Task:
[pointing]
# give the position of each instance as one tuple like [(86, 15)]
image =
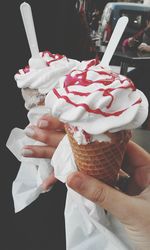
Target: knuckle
[(42, 153), (99, 195), (45, 153), (45, 138), (48, 153)]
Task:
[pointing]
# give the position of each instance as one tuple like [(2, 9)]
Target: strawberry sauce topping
[(54, 58), (26, 69), (80, 79)]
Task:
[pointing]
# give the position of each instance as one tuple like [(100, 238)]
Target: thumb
[(117, 203)]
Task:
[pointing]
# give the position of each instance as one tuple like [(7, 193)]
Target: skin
[(143, 47), (131, 41), (49, 131), (131, 207)]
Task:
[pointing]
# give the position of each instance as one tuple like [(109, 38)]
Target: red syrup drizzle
[(87, 136), (56, 57), (86, 107), (73, 130), (81, 80), (26, 69)]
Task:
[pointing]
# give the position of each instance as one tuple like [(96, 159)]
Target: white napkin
[(87, 225), (27, 185)]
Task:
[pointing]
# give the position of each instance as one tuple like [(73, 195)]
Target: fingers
[(135, 157), (38, 151), (49, 131), (131, 41), (50, 123), (141, 48), (119, 204), (51, 138), (146, 194), (144, 47), (142, 177), (137, 165)]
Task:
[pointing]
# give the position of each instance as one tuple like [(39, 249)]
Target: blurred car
[(136, 13)]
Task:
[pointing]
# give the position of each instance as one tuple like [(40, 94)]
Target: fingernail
[(26, 152), (43, 124), (29, 131), (74, 180)]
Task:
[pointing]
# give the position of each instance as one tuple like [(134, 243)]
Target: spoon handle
[(27, 17), (114, 40)]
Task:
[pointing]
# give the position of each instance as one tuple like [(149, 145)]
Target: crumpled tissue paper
[(88, 226), (27, 185)]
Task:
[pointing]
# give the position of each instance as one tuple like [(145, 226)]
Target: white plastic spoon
[(36, 61), (114, 40)]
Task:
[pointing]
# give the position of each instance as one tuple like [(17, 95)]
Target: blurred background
[(40, 225)]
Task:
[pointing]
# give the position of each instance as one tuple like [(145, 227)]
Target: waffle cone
[(101, 160)]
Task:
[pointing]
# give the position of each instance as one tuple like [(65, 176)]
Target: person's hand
[(132, 211), (49, 131), (143, 47), (131, 42)]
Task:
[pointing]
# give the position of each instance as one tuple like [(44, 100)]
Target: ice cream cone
[(101, 160), (99, 108)]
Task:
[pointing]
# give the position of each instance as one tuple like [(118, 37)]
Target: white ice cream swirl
[(44, 78), (97, 100)]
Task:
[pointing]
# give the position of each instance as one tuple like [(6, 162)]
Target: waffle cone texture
[(102, 160)]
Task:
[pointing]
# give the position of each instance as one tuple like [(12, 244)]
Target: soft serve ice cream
[(97, 100), (44, 78), (37, 79), (99, 108)]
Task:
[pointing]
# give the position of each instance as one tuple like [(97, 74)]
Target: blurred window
[(136, 19)]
